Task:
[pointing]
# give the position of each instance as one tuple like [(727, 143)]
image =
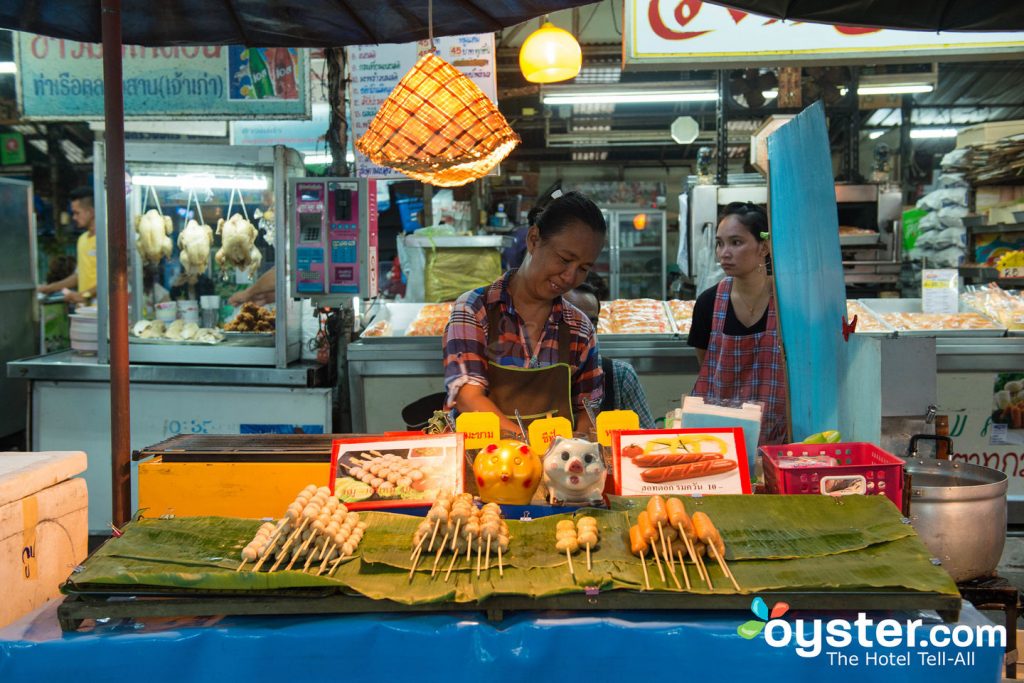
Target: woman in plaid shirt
[(516, 345), (734, 329)]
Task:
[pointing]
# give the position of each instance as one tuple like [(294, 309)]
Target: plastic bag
[(709, 271), (954, 196), (451, 272)]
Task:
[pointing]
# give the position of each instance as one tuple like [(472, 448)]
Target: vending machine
[(334, 239)]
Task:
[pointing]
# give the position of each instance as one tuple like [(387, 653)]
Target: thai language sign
[(376, 69), (63, 79), (691, 31)]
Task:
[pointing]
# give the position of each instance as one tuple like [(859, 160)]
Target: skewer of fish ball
[(316, 530), (256, 547), (491, 525), (333, 526), (461, 512), (350, 546), (587, 535), (566, 540), (309, 513), (470, 532), (679, 518), (651, 534), (638, 546), (502, 543), (438, 513), (288, 522), (419, 537), (440, 549)]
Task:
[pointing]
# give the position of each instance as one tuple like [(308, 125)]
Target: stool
[(996, 593)]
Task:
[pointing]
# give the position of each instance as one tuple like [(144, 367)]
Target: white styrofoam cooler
[(44, 515)]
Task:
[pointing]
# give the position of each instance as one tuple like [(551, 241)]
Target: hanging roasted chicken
[(237, 245), (195, 242), (153, 236)]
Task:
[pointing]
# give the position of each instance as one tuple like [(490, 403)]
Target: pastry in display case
[(633, 316)]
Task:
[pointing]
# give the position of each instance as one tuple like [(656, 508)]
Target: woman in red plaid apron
[(735, 330)]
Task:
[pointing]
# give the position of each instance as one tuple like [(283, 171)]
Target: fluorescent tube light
[(875, 134), (8, 68), (640, 97), (926, 133), (908, 89), (325, 157), (198, 181)]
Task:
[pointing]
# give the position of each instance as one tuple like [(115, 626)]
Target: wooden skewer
[(568, 556), (682, 568), (487, 555), (725, 567), (317, 552), (437, 557), (501, 569), (437, 524), (469, 553), (327, 558), (302, 549), (692, 553), (334, 567), (418, 546), (455, 556), (675, 579), (291, 539), (415, 562), (664, 548), (271, 542), (479, 555), (657, 560), (244, 562), (455, 538), (643, 563), (590, 567)]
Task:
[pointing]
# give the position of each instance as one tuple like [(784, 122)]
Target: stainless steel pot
[(959, 511)]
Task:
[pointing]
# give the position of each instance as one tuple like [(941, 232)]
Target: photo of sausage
[(648, 460), (692, 470)]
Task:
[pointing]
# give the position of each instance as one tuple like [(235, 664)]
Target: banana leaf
[(777, 527), (202, 553)]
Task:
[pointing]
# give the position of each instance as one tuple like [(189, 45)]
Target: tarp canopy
[(272, 23), (922, 15)]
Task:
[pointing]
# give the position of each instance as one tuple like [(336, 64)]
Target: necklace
[(751, 306)]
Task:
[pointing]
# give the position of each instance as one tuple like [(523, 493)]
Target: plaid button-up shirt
[(466, 352)]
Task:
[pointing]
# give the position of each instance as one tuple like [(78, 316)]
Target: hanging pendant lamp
[(549, 55), (437, 126)]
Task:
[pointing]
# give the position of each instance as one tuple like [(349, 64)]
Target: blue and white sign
[(63, 80)]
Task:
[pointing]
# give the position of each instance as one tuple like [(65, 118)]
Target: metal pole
[(722, 133), (117, 258)]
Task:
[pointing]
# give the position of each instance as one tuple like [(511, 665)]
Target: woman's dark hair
[(752, 216), (571, 207)]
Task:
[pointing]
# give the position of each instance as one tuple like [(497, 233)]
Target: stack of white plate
[(83, 330)]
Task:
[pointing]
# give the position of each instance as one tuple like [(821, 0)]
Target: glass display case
[(203, 225), (633, 261)]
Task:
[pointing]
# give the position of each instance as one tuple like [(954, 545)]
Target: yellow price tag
[(543, 431), (480, 429), (615, 420)]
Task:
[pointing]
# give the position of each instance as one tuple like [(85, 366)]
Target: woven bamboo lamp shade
[(437, 126)]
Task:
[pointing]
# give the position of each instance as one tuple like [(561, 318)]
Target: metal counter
[(69, 395), (73, 367)]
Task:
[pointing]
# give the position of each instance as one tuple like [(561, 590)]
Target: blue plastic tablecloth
[(457, 648)]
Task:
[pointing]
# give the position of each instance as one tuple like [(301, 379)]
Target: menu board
[(375, 70)]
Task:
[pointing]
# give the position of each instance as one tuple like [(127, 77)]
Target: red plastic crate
[(863, 468)]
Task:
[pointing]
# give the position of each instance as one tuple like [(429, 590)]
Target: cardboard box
[(44, 520), (986, 133), (993, 196)]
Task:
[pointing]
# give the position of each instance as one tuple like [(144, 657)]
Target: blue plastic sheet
[(808, 269), (453, 648)]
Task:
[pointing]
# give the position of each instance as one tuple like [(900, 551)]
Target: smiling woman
[(516, 345)]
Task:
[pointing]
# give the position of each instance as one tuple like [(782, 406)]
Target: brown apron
[(535, 392)]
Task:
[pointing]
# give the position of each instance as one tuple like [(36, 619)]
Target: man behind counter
[(83, 213)]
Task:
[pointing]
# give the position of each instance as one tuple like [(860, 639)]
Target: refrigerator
[(633, 262)]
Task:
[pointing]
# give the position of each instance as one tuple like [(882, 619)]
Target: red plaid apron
[(748, 368)]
